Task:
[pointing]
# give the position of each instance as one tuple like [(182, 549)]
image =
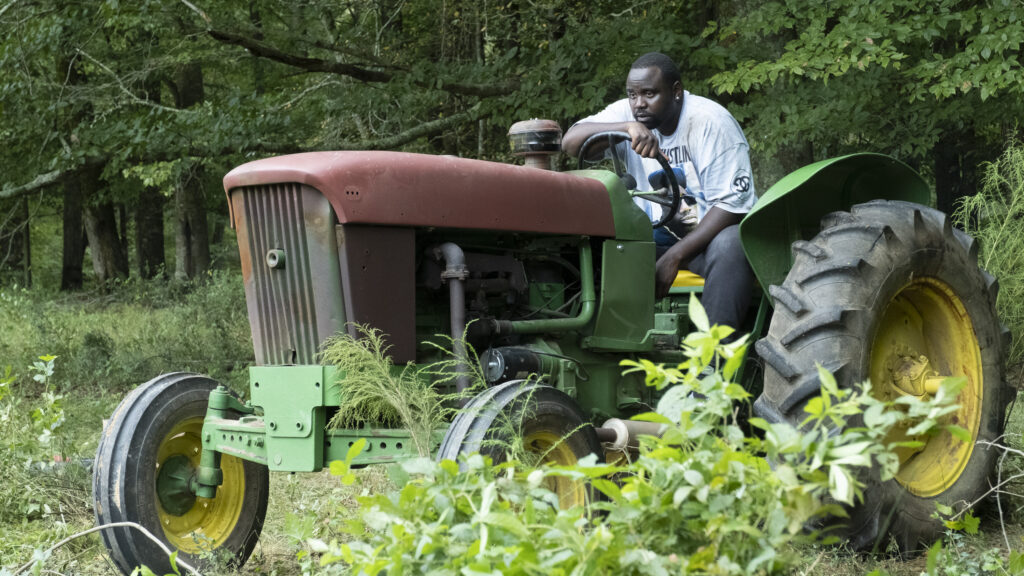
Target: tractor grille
[(288, 312)]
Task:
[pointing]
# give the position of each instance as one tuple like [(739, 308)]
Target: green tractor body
[(792, 209), (546, 274), (617, 317)]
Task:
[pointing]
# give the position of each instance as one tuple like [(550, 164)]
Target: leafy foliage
[(35, 455), (887, 76), (699, 498)]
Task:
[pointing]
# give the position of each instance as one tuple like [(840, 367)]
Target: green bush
[(40, 480), (700, 498), (995, 217)]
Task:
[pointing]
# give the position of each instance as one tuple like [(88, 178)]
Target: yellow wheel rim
[(924, 337), (209, 522), (555, 450)]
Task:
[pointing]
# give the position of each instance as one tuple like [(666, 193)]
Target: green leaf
[(698, 317), (840, 485), (174, 562), (971, 523), (507, 521), (675, 402), (934, 556), (1016, 565), (962, 434), (338, 468), (355, 450), (608, 488), (651, 417)]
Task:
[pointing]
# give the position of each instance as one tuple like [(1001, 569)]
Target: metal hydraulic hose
[(454, 273), (587, 299)]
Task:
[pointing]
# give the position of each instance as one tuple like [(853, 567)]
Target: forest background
[(119, 119)]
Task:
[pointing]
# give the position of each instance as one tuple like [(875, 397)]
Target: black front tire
[(889, 281), (529, 420), (157, 425)]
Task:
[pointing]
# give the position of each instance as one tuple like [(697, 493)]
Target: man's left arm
[(695, 241)]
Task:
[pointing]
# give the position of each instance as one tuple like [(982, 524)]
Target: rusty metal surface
[(402, 189), (297, 302), (378, 271)]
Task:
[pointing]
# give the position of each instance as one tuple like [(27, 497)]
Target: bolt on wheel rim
[(925, 336), (206, 523)]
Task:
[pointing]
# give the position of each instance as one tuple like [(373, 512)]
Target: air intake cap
[(536, 140)]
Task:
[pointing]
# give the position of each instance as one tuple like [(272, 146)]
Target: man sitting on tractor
[(700, 137)]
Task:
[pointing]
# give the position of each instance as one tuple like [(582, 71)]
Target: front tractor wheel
[(147, 456), (531, 421), (892, 293)]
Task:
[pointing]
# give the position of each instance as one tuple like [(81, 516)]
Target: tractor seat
[(687, 279)]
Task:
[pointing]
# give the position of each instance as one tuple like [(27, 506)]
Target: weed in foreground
[(378, 393), (700, 498)]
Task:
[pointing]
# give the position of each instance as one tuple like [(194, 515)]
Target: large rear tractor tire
[(537, 420), (891, 292), (148, 451)]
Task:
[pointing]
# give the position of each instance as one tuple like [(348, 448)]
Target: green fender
[(792, 209)]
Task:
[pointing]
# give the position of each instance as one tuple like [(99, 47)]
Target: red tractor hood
[(402, 189)]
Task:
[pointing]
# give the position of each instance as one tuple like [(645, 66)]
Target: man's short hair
[(669, 70)]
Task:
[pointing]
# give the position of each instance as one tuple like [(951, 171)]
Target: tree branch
[(131, 95), (427, 129), (265, 50), (47, 179), (9, 4)]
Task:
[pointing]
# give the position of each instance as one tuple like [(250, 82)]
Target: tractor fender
[(792, 209)]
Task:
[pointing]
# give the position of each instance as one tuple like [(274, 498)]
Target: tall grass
[(135, 331), (376, 392), (995, 217)]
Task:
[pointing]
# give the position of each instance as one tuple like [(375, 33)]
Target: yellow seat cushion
[(687, 279)]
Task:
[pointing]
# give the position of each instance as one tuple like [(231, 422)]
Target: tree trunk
[(74, 234), (192, 244), (122, 227), (26, 258), (14, 242), (149, 209), (257, 63), (955, 169), (108, 259), (795, 155), (76, 186), (217, 224), (149, 232)]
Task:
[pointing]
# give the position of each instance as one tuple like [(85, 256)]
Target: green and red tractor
[(553, 273)]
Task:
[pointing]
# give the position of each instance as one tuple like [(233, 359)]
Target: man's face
[(650, 98)]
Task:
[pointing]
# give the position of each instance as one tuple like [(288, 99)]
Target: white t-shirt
[(710, 147)]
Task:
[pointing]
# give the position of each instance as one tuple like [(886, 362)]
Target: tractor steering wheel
[(670, 205)]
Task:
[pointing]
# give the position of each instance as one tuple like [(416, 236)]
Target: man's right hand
[(645, 143)]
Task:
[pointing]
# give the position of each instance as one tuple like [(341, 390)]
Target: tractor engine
[(413, 246)]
